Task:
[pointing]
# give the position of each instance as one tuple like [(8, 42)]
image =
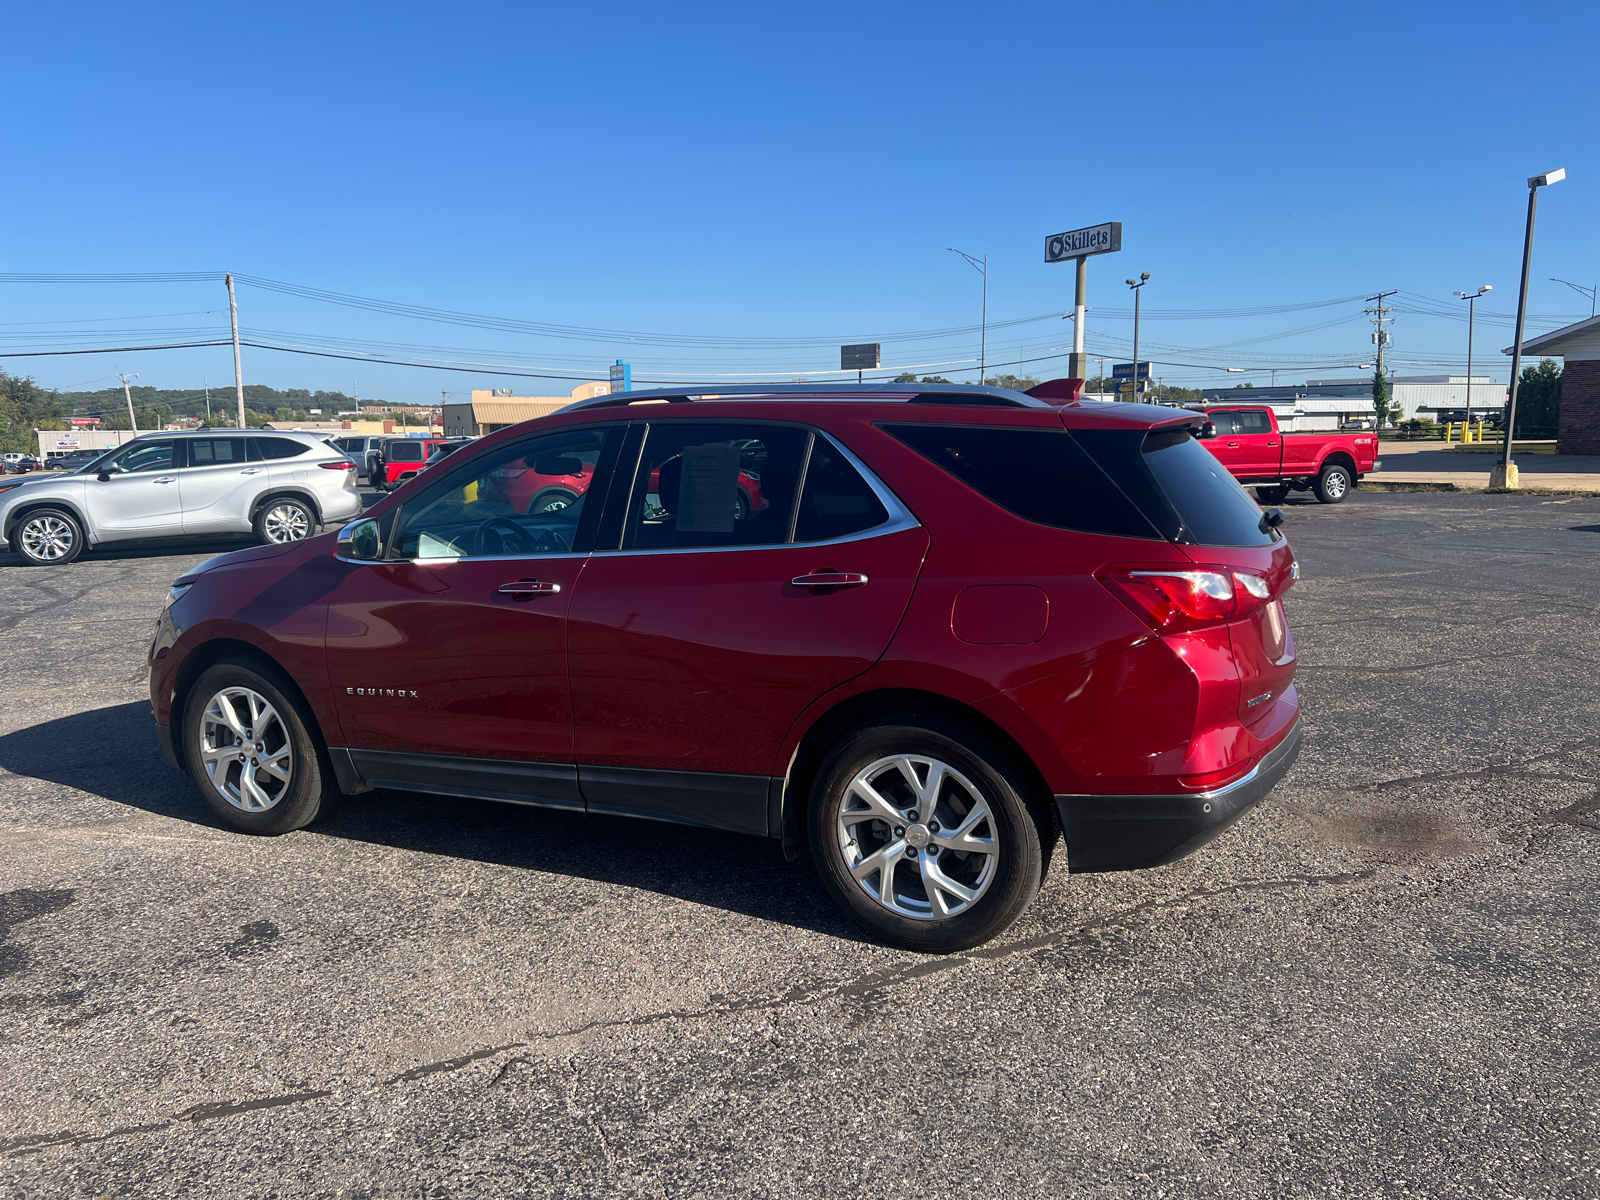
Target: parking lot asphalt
[(1383, 982)]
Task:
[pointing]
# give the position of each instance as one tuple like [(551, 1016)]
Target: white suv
[(280, 486)]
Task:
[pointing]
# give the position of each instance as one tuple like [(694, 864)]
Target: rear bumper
[(1125, 833)]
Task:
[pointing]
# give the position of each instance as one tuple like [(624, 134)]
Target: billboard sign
[(864, 356), (1077, 243), (1125, 370)]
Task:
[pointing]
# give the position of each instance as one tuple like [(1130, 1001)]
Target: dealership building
[(491, 410), (1578, 346)]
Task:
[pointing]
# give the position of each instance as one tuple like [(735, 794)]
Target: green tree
[(1539, 400), (1019, 382), (1380, 397), (24, 407)]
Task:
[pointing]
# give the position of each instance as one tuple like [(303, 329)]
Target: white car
[(279, 486)]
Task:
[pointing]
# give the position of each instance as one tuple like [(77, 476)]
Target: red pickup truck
[(1258, 454)]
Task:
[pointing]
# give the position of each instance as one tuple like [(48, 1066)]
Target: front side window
[(715, 484), (146, 456), (1226, 422), (213, 452), (524, 499)]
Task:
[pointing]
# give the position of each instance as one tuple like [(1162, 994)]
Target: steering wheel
[(520, 541)]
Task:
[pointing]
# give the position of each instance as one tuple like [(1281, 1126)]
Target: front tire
[(48, 537), (1333, 484), (921, 833), (285, 520), (251, 752)]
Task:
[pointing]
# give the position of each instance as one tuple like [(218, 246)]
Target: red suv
[(961, 622)]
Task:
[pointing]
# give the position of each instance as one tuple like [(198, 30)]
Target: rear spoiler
[(1058, 391)]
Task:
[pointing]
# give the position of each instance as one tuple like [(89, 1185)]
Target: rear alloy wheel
[(48, 537), (924, 840), (285, 520), (251, 753), (1333, 485)]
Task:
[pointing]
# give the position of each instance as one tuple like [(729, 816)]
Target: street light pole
[(1136, 285), (981, 266), (1505, 475), (1472, 307), (1590, 292)]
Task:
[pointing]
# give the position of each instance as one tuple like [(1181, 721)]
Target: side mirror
[(558, 464), (1207, 431), (1271, 519), (360, 540)]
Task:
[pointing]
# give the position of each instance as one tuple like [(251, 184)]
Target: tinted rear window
[(403, 451), (1041, 475), (1180, 485)]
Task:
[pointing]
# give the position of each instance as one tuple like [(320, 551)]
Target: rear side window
[(715, 485), (209, 452), (1179, 484), (1041, 475), (1251, 421), (271, 447), (836, 500)]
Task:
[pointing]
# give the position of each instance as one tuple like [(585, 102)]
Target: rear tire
[(888, 847), (242, 778), (1333, 484), (1272, 495), (285, 520), (48, 537)]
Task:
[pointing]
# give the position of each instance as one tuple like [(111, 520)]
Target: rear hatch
[(1242, 563)]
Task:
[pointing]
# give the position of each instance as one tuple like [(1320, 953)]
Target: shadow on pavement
[(112, 752)]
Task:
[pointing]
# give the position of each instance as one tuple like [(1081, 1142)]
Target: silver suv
[(280, 486)]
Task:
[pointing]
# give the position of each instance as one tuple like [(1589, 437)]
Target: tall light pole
[(1505, 474), (1144, 278), (128, 396), (1472, 307), (238, 369), (1590, 292), (981, 266)]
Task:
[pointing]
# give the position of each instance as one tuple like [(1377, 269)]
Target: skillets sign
[(1077, 243)]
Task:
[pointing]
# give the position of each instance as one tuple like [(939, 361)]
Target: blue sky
[(774, 172)]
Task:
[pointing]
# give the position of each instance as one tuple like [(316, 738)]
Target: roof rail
[(944, 393)]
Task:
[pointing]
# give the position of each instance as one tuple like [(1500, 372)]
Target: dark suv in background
[(960, 623)]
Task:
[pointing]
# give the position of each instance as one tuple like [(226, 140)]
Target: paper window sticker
[(707, 494)]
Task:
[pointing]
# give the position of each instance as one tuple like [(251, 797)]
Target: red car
[(1248, 441), (962, 622), (402, 458)]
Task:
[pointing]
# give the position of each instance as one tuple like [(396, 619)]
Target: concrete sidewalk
[(1429, 462)]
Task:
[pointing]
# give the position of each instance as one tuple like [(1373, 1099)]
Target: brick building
[(1578, 346)]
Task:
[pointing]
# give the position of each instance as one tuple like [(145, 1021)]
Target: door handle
[(526, 589), (829, 579), (167, 479), (251, 471), (1233, 445), (1272, 443)]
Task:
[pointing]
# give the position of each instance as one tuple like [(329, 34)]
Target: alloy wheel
[(245, 749), (47, 538), (1336, 484), (286, 523), (918, 837)]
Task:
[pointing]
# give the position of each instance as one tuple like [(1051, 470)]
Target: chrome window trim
[(900, 517)]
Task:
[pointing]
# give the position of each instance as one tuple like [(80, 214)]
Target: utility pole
[(128, 396), (1472, 308), (982, 267), (1380, 339), (208, 399), (238, 366), (1137, 286)]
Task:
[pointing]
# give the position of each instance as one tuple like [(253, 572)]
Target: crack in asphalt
[(58, 599), (866, 985)]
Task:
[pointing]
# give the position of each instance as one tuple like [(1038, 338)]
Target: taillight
[(1170, 600), (337, 466), (1252, 592)]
